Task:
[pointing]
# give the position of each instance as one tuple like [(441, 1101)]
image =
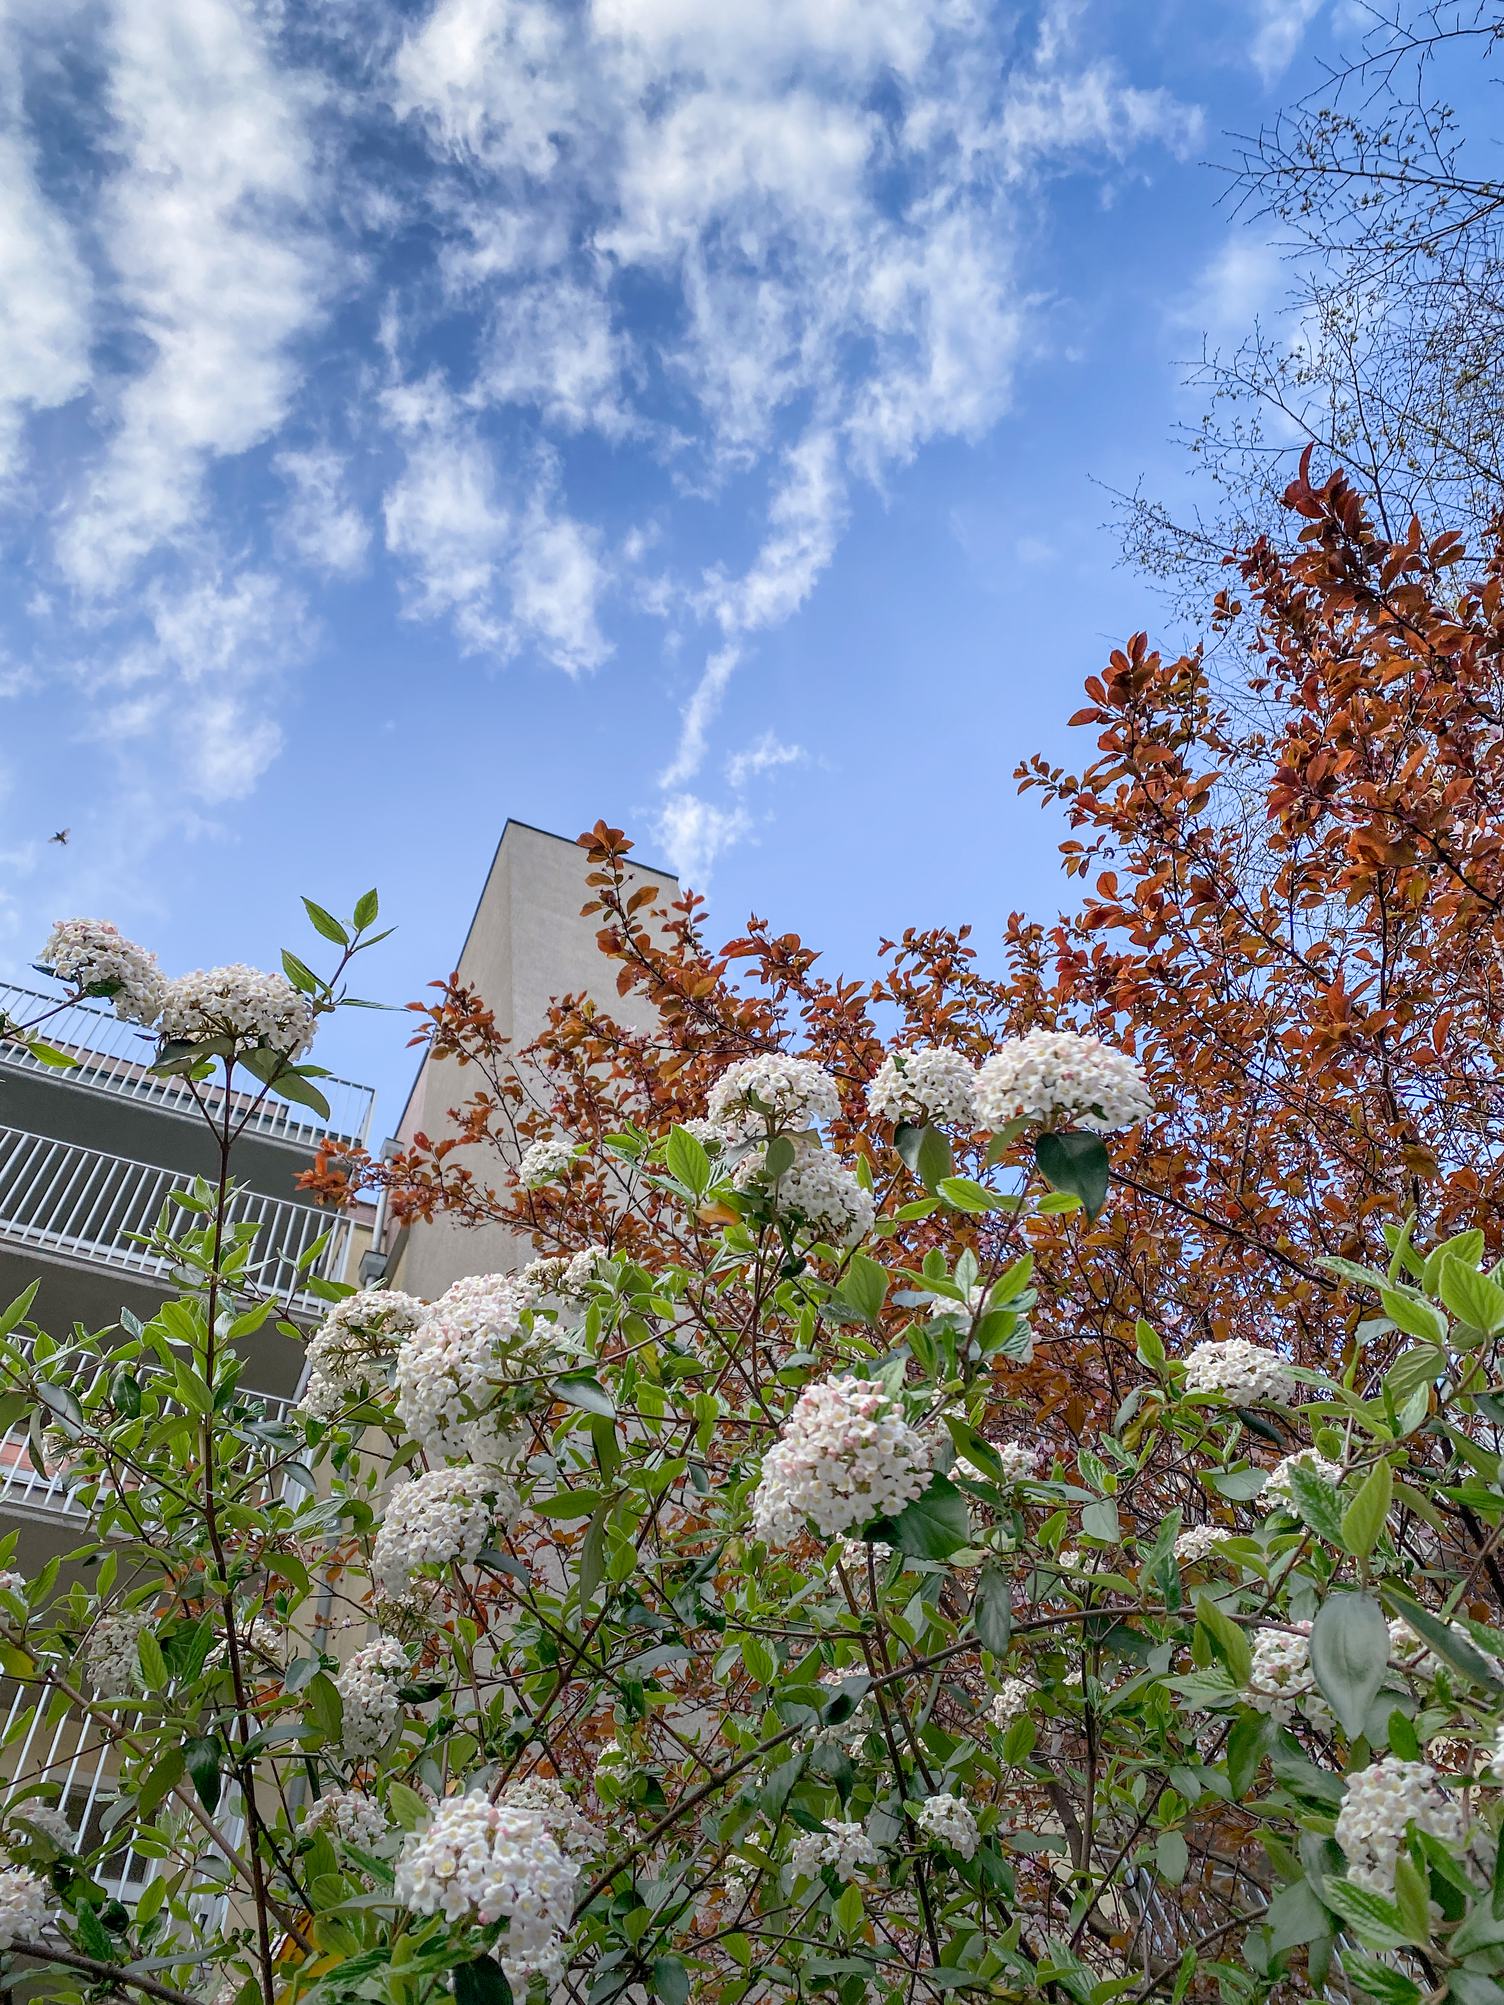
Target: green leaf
[(581, 1389), (778, 1158), (1446, 1641), (17, 1310), (1366, 1515), (325, 1708), (670, 1980), (93, 1937), (367, 908), (1415, 1317), (925, 1151), (1172, 1856), (289, 1082), (934, 1525), (1349, 1656), (1228, 1643), (1378, 1922), (1317, 1503), (153, 1664), (687, 1161), (592, 1567), (1100, 1521), (1295, 1917), (1389, 1986), (992, 1611), (1471, 1296), (1075, 1161), (48, 1054), (482, 1982), (326, 923), (201, 1755), (865, 1287), (408, 1809), (966, 1194)]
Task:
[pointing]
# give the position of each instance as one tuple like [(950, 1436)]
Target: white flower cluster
[(92, 954), (791, 1096), (23, 1905), (1053, 1075), (349, 1348), (960, 1315), (367, 1687), (1019, 1459), (544, 1161), (1279, 1492), (705, 1132), (43, 1818), (851, 1731), (547, 1798), (262, 1640), (949, 1820), (440, 1518), (243, 1004), (1242, 1371), (572, 1278), (853, 1553), (843, 1845), (1280, 1679), (1381, 1802), (1411, 1655), (487, 1862), (818, 1189), (111, 1655), (12, 1582), (1009, 1702), (348, 1814), (1198, 1542), (924, 1086), (846, 1455), (465, 1350)]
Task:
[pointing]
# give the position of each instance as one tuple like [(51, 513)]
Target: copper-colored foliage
[(1291, 859)]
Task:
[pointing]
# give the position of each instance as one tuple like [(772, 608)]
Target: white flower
[(1279, 1491), (12, 1582), (544, 1161), (948, 1819), (842, 1845), (855, 1727), (704, 1130), (242, 1004), (95, 958), (1244, 1372), (1198, 1542), (263, 1639), (1495, 1763), (575, 1835), (794, 1094), (483, 1862), (1418, 1660), (1009, 1702), (1381, 1802), (24, 1905), (846, 1455), (44, 1819), (924, 1086), (1051, 1075), (368, 1689), (818, 1189), (573, 1278), (349, 1814), (440, 1518), (1280, 1679), (347, 1352), (112, 1657), (1020, 1460), (852, 1554), (467, 1348)]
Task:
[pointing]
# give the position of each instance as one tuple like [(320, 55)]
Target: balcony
[(115, 1057), (84, 1205)]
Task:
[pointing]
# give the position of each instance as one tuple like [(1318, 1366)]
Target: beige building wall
[(527, 944)]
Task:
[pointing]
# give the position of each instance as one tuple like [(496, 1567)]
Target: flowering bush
[(735, 1626)]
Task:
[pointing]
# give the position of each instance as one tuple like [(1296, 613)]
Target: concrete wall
[(527, 944)]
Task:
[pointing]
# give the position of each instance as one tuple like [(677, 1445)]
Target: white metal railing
[(23, 1487), (55, 1743), (115, 1057), (64, 1198)]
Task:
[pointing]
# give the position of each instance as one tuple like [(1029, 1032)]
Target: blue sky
[(416, 414)]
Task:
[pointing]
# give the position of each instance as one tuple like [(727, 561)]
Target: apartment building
[(527, 943), (88, 1159)]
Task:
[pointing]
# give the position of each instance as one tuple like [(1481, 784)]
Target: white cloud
[(694, 832), (766, 754), (505, 571), (1279, 27), (698, 715), (552, 346), (44, 329), (1234, 289), (205, 219), (321, 523)]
